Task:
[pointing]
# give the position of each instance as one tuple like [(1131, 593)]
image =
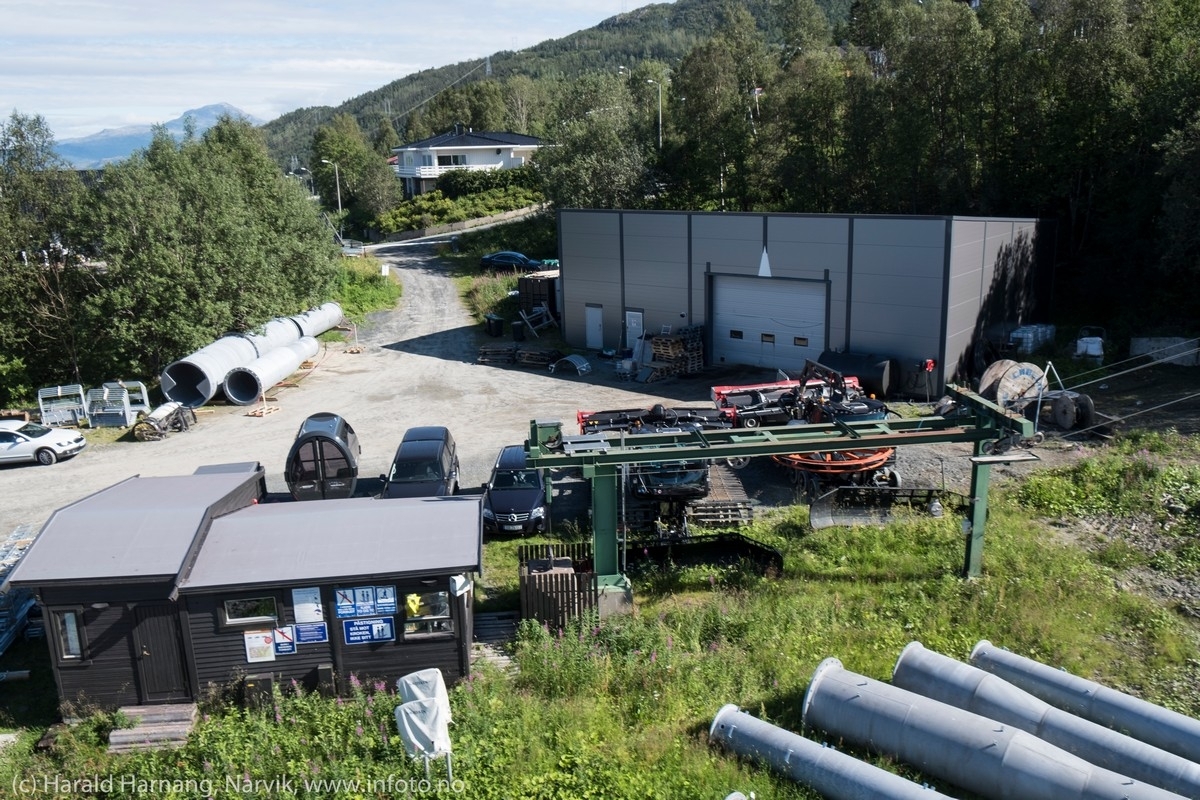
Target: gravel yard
[(417, 366)]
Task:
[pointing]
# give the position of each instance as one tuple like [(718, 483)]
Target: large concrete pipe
[(948, 681), (981, 755), (1165, 729), (316, 321), (192, 381), (245, 385), (835, 775)]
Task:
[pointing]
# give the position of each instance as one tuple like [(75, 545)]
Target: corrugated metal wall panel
[(748, 312)]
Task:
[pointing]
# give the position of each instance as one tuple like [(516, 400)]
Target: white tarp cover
[(425, 684), (423, 727)]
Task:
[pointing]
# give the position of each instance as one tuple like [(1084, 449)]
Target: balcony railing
[(405, 171)]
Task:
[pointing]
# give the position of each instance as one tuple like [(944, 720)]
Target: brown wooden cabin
[(157, 589)]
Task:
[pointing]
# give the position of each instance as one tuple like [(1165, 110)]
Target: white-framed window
[(249, 611), (68, 630), (427, 613)]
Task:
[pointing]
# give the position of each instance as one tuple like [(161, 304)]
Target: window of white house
[(250, 610), (458, 160), (426, 159), (427, 612), (68, 626)]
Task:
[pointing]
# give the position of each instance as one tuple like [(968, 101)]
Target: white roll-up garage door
[(767, 322)]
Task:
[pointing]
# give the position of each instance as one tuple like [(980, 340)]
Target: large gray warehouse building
[(775, 290)]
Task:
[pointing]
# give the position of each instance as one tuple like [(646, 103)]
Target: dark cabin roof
[(140, 528), (290, 543), (464, 138)]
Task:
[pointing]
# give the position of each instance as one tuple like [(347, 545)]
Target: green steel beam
[(979, 421)]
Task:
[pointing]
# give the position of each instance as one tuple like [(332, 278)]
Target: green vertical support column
[(604, 517), (980, 478)]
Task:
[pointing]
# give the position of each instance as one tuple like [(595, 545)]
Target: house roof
[(460, 139), (282, 543), (140, 528)]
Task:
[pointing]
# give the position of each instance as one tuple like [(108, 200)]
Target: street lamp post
[(337, 179), (659, 85)]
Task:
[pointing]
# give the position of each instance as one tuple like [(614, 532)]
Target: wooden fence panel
[(554, 598)]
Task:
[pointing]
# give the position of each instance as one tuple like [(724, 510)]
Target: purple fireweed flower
[(358, 730)]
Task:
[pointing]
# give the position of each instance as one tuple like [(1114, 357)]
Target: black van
[(426, 464), (323, 461), (515, 496)]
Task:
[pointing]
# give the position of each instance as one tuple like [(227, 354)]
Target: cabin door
[(158, 651)]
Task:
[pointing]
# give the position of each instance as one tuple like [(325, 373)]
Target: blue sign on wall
[(368, 631), (311, 632)]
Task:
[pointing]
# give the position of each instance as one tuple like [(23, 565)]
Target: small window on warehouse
[(735, 334), (800, 341)]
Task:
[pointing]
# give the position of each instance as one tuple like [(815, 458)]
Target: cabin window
[(250, 610), (427, 613), (69, 628)]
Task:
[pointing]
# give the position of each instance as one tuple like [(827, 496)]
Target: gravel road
[(417, 366)]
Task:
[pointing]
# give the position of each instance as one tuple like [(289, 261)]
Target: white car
[(29, 441)]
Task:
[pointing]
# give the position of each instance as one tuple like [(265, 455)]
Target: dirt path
[(417, 367)]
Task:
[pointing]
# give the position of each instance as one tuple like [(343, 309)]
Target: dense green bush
[(459, 183), (435, 208)]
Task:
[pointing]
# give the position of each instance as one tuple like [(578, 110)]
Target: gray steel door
[(767, 322), (158, 651)]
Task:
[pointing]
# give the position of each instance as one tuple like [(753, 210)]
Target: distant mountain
[(116, 144)]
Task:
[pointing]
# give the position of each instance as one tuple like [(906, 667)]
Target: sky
[(90, 65)]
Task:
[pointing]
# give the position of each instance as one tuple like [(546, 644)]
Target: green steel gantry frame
[(992, 429)]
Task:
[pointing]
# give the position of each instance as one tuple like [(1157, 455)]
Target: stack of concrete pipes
[(245, 365), (1001, 727)]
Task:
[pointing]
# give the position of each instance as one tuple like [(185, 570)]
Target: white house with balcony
[(420, 164)]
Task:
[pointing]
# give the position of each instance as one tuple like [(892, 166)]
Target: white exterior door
[(633, 329), (767, 322), (593, 326)]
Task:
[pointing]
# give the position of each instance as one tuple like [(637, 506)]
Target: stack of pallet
[(676, 354), (497, 354), (537, 357)]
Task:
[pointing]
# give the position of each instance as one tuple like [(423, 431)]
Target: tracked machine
[(819, 395)]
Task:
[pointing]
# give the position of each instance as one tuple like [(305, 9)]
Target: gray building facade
[(776, 290)]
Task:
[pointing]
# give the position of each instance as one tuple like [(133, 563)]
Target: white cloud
[(85, 66)]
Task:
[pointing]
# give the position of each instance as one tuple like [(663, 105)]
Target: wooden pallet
[(537, 358), (497, 354), (262, 411)]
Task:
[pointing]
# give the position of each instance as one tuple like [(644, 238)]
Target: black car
[(426, 464), (514, 498), (509, 259)]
